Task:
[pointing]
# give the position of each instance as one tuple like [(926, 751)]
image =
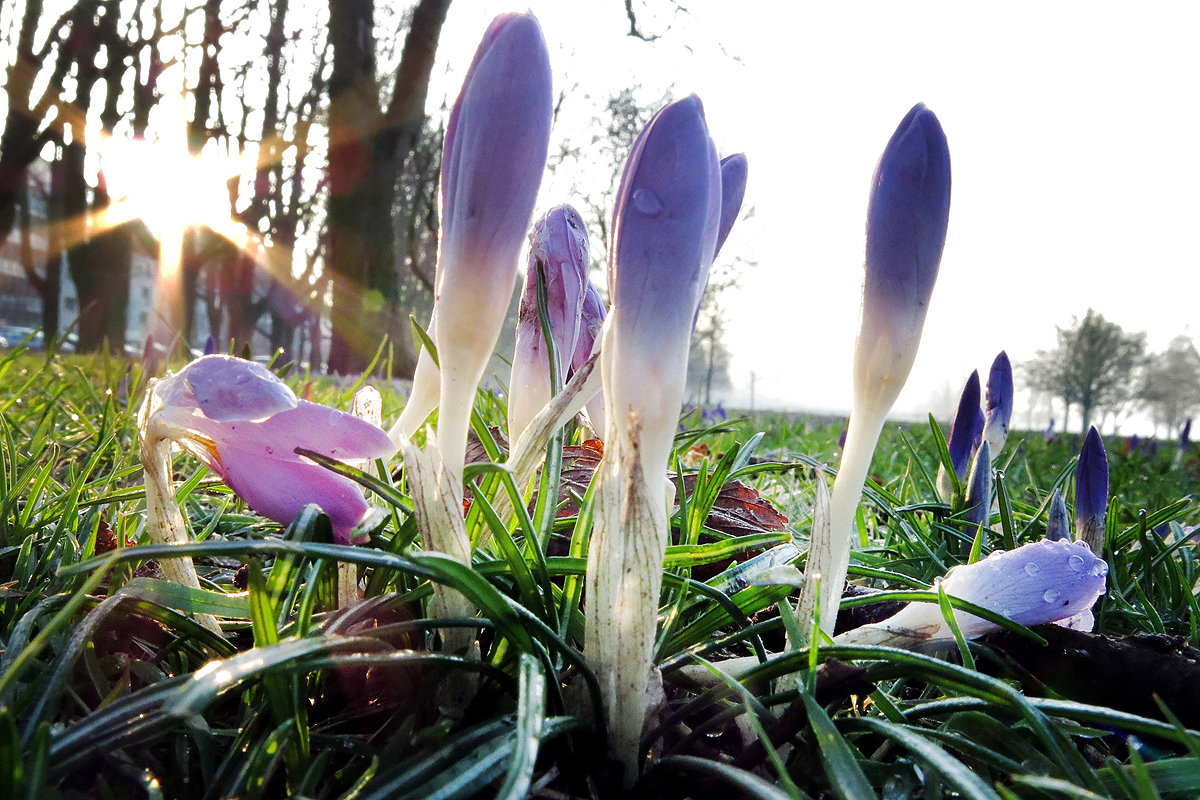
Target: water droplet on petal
[(1075, 563), (1032, 569), (335, 417), (1051, 595), (646, 202), (1100, 568), (996, 554)]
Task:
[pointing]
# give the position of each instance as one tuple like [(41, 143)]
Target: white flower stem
[(829, 554), (164, 520)]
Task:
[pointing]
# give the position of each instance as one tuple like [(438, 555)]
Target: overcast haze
[(1072, 130)]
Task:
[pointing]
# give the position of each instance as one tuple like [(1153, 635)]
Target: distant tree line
[(1100, 369)]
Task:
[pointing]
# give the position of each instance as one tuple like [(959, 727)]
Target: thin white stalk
[(829, 555)]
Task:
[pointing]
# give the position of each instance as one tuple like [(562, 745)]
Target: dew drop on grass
[(1051, 595), (646, 202)]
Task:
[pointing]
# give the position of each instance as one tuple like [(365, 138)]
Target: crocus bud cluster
[(907, 217)]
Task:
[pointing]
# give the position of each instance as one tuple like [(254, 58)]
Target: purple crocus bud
[(665, 223), (967, 426), (494, 154), (1091, 492), (210, 346), (559, 250), (150, 360), (245, 424), (906, 229), (979, 490), (999, 402), (1185, 435), (1058, 524), (595, 310), (733, 191), (1035, 584)]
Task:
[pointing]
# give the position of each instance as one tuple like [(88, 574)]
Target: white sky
[(1073, 131)]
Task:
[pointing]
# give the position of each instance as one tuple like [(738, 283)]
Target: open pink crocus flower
[(245, 424)]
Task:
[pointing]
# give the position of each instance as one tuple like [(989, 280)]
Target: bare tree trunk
[(367, 147)]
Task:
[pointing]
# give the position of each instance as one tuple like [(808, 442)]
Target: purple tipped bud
[(492, 162), (1058, 524), (665, 223), (733, 191), (559, 250), (1091, 492), (1185, 435), (906, 229), (979, 489), (210, 346), (966, 427), (999, 402)]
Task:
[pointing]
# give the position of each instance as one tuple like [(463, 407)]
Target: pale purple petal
[(228, 388), (279, 489), (591, 321), (311, 426), (1035, 584), (733, 190)]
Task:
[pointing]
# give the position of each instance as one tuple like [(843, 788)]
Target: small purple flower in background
[(1133, 445), (1058, 523), (1048, 434), (244, 423), (150, 358), (1091, 492), (1185, 435), (1035, 584), (210, 346), (962, 442), (907, 216), (559, 248), (666, 219), (595, 310), (999, 402)]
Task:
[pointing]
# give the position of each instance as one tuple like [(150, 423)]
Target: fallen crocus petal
[(249, 438), (1091, 492), (1035, 584), (907, 217), (999, 403), (559, 251)]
